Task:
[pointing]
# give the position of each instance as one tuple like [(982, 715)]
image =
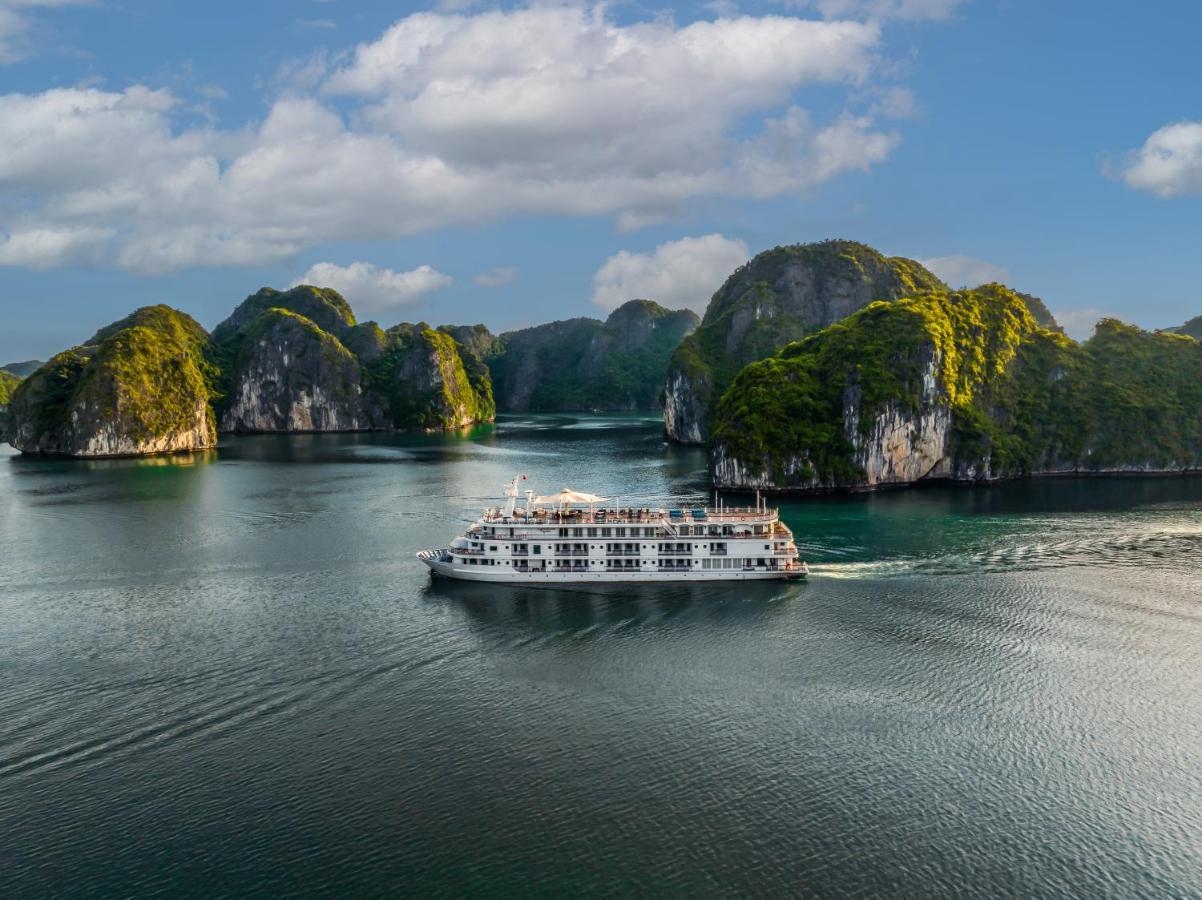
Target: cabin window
[(538, 548)]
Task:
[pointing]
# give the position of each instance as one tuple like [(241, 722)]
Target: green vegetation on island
[(781, 295), (963, 385), (140, 385), (419, 380), (581, 364), (297, 360), (8, 384), (817, 366)]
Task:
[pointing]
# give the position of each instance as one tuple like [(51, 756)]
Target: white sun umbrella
[(567, 496)]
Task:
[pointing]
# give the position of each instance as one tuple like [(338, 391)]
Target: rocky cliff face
[(293, 376), (778, 297), (284, 367), (138, 387), (580, 364), (298, 361), (965, 387)]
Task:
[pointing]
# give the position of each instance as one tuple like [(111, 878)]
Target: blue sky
[(515, 164)]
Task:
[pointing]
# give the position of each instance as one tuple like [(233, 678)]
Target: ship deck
[(634, 516)]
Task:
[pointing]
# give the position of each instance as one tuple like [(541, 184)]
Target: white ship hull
[(439, 564)]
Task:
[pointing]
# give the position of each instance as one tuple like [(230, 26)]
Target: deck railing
[(711, 515)]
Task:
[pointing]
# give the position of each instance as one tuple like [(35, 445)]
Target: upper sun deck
[(701, 515)]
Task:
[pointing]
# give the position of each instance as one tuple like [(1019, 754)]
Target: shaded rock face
[(284, 366), (293, 376), (780, 296), (964, 387), (420, 381), (138, 387), (581, 364)]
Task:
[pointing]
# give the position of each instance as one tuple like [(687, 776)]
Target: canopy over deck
[(567, 496)]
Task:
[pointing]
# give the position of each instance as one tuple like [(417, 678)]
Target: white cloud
[(896, 103), (498, 277), (44, 248), (18, 23), (367, 286), (1169, 164), (683, 273), (449, 119), (1079, 323), (965, 271), (883, 9)]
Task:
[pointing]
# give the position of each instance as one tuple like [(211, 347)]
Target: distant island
[(817, 367), (298, 361)]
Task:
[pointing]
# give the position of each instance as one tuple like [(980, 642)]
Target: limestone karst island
[(816, 367)]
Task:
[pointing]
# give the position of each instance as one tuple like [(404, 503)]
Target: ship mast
[(511, 496)]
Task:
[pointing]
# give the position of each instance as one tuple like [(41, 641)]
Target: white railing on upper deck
[(631, 516)]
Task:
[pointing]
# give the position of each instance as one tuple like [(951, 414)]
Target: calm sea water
[(230, 675)]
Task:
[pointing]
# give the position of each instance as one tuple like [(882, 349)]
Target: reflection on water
[(579, 609), (236, 656)]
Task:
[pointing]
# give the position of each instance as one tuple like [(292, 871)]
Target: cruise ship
[(572, 537)]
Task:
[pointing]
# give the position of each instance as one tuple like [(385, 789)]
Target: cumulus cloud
[(447, 119), (683, 273), (1169, 164), (965, 271), (498, 277), (371, 287)]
